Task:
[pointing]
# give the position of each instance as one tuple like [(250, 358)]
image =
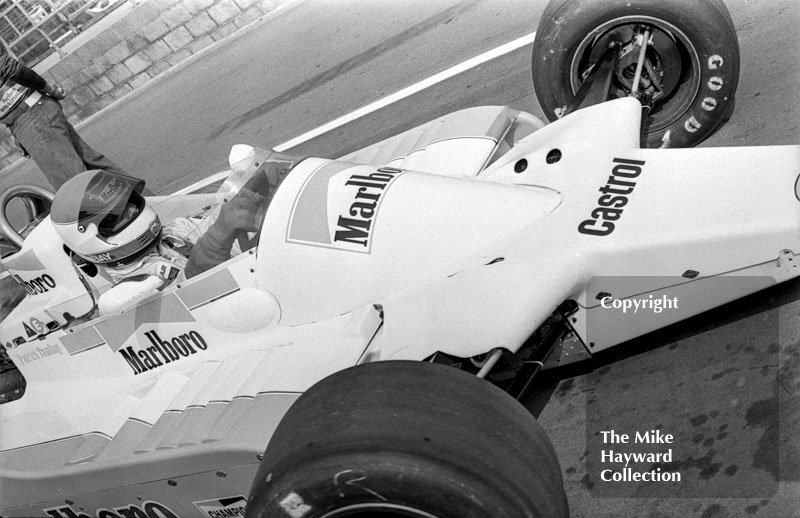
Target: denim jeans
[(54, 145)]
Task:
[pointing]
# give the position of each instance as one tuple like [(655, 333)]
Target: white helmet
[(102, 217)]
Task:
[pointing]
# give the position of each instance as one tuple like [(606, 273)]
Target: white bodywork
[(470, 252)]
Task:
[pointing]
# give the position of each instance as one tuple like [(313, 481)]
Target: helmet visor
[(111, 202), (121, 215)]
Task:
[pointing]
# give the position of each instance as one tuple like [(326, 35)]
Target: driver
[(103, 218)]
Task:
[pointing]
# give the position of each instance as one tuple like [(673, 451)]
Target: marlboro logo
[(338, 206), (162, 351), (36, 285), (147, 509)]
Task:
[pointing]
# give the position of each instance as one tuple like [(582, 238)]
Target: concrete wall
[(146, 41)]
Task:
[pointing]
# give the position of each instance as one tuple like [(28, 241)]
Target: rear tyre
[(694, 57), (410, 439)]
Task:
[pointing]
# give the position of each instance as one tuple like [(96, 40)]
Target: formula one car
[(369, 335)]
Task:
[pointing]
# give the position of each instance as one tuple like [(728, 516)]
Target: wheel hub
[(663, 75)]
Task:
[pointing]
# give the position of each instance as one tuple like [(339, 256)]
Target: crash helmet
[(103, 217)]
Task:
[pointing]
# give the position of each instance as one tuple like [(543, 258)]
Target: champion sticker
[(228, 507)]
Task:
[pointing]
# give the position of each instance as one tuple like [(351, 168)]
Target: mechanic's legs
[(91, 158), (54, 145)]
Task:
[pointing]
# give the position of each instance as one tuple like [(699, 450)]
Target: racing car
[(360, 354)]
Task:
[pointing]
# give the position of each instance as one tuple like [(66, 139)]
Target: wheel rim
[(377, 510), (666, 56)]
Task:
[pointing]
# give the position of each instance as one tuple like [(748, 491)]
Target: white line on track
[(410, 90), (386, 101)]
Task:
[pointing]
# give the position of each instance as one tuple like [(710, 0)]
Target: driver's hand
[(239, 213)]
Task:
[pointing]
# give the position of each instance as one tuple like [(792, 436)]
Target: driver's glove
[(239, 213), (214, 247)]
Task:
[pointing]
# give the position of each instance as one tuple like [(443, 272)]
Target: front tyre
[(407, 439), (691, 63)]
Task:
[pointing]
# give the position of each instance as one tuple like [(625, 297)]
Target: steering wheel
[(30, 195)]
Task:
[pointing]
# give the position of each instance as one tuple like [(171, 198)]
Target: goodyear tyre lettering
[(716, 83), (709, 103), (692, 124)]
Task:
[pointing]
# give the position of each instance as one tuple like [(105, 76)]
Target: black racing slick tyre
[(691, 66), (407, 439)]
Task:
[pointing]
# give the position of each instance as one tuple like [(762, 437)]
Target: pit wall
[(146, 41)]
